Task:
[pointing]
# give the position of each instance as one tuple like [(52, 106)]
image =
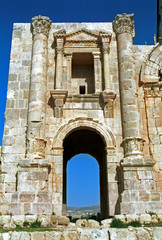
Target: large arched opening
[(87, 140)]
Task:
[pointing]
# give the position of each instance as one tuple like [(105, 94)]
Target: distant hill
[(91, 209)]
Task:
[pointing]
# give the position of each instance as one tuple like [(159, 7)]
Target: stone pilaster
[(106, 39), (31, 196), (97, 72), (69, 67), (59, 39), (40, 28)]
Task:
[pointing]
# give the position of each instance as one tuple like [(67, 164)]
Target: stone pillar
[(124, 28), (31, 196), (97, 72), (59, 38), (106, 38), (137, 184), (69, 68), (37, 100)]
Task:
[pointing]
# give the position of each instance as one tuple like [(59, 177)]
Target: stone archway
[(82, 136), (149, 73)]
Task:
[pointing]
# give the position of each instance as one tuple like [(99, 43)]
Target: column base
[(139, 194), (32, 195)]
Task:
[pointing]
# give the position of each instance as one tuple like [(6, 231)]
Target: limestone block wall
[(150, 108), (31, 147), (14, 138), (88, 233)]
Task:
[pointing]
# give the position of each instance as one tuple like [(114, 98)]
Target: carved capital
[(59, 45), (59, 99), (105, 36), (96, 55), (108, 100), (133, 146), (41, 24), (124, 23)]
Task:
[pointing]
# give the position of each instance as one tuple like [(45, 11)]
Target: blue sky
[(69, 11), (83, 181)]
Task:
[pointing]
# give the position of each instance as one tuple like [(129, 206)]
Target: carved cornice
[(60, 34), (124, 23), (153, 90), (92, 33), (40, 24)]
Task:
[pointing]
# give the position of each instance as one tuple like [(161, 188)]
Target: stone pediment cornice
[(82, 35), (60, 34)]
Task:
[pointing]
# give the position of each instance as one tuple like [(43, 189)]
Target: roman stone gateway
[(82, 88)]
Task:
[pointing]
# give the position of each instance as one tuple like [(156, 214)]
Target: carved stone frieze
[(124, 23), (133, 146), (41, 24), (153, 90)]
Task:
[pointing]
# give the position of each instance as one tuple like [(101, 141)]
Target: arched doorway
[(87, 140)]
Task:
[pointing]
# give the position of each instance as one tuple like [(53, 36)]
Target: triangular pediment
[(82, 35)]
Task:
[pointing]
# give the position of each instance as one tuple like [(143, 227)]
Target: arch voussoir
[(72, 125)]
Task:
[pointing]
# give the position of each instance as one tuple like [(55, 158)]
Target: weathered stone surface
[(20, 236), (4, 219), (45, 220), (143, 234), (93, 224), (70, 235), (81, 223), (60, 220), (18, 220), (9, 226), (53, 235), (122, 234), (37, 235), (130, 233), (6, 236), (145, 218), (30, 218), (157, 233), (106, 223), (99, 234)]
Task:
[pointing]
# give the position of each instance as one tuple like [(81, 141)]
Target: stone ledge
[(88, 233)]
